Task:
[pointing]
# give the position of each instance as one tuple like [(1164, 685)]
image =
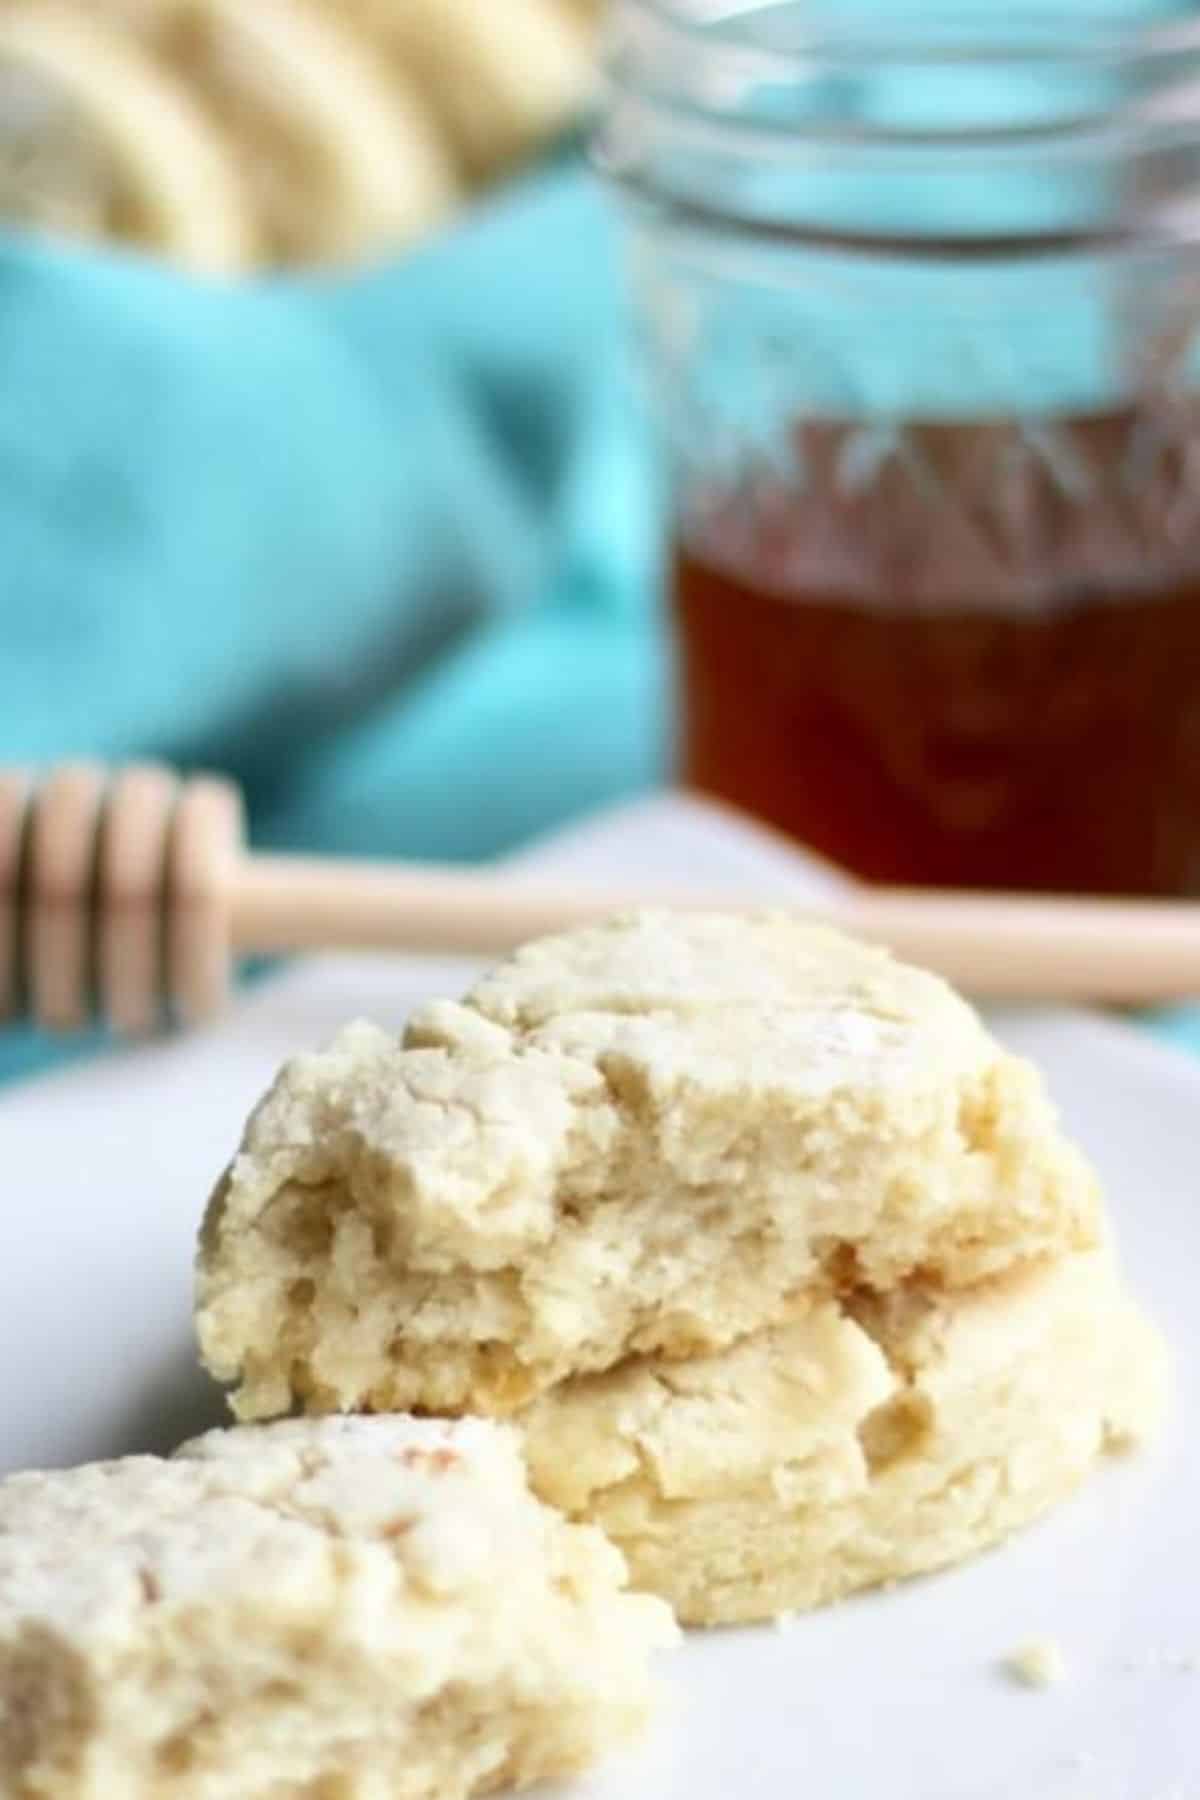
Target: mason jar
[(917, 291)]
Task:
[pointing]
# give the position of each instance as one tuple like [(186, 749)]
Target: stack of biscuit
[(778, 1263), (229, 135), (771, 1273)]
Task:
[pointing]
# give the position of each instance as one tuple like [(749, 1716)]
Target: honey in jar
[(952, 716), (920, 299)]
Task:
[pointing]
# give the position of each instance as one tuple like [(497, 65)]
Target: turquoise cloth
[(382, 547)]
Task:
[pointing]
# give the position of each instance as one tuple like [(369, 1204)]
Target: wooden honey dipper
[(132, 894)]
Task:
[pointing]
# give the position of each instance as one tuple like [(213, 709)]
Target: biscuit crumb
[(1038, 1664)]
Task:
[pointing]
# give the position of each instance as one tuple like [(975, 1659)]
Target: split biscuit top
[(342, 1605), (646, 1137)]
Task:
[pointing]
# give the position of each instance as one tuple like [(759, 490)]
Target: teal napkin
[(383, 547), (1179, 1026)]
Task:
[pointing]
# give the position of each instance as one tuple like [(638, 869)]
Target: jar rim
[(735, 109), (1093, 38)]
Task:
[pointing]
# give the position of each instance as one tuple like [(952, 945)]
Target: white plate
[(106, 1169)]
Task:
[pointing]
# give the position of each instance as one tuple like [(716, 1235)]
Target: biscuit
[(854, 1444), (340, 158), (359, 1607), (647, 1137), (502, 78), (102, 142)]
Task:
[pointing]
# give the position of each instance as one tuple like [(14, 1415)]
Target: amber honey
[(963, 674)]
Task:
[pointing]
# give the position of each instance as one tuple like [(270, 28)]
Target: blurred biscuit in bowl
[(340, 157), (98, 141), (504, 78)]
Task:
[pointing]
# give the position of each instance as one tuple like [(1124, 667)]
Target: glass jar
[(918, 288)]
